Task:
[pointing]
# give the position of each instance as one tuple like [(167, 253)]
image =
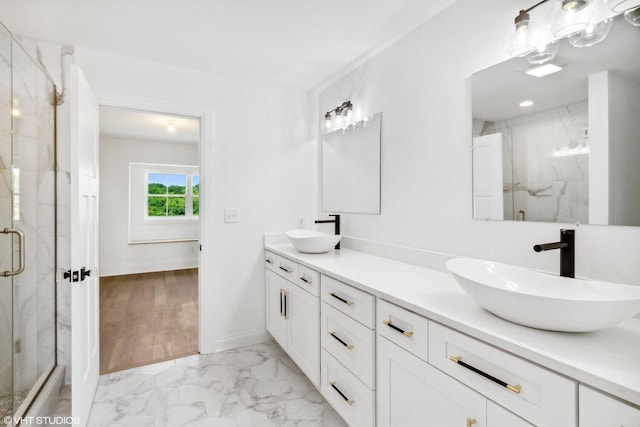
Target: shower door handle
[(20, 235)]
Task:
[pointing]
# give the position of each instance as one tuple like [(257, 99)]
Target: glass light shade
[(618, 6), (594, 33), (544, 53), (523, 39), (633, 16), (566, 22)]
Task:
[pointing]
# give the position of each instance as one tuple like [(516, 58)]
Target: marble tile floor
[(251, 386)]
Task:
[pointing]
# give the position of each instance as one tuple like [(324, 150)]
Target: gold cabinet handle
[(471, 421), (514, 388), (333, 294), (348, 346), (394, 327), (346, 399), (305, 280)]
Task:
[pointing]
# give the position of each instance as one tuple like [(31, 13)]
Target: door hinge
[(72, 275), (17, 346)]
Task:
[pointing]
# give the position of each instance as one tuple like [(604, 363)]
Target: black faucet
[(567, 251), (335, 221)]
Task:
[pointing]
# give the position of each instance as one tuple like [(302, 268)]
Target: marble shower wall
[(55, 59), (545, 186), (33, 161)]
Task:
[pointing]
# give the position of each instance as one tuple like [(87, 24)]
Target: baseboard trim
[(242, 340), (123, 269)]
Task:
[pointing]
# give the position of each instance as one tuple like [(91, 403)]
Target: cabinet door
[(599, 410), (497, 416), (276, 321), (303, 310), (413, 393)]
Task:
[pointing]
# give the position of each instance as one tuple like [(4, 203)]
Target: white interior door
[(85, 342), (488, 199)]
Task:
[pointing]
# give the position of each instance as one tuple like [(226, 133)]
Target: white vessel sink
[(542, 300), (312, 242)]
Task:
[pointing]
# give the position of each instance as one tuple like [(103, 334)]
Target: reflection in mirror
[(351, 168), (564, 147)]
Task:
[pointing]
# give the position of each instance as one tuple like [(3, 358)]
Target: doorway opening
[(149, 237)]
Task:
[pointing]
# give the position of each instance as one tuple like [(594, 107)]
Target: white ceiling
[(293, 43), (145, 126)]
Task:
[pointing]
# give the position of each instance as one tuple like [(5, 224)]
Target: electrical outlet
[(230, 215), (300, 221)]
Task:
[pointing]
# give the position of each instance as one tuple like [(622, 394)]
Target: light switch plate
[(230, 215)]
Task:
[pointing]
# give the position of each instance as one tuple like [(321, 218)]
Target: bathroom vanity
[(394, 344)]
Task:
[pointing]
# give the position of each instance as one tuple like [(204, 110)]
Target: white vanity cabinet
[(348, 351), (598, 410), (293, 313)]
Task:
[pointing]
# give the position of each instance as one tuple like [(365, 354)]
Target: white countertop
[(608, 360)]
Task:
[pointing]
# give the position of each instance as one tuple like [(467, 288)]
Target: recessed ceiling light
[(543, 70), (526, 103)]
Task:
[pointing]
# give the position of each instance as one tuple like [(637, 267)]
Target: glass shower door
[(6, 283), (27, 228)]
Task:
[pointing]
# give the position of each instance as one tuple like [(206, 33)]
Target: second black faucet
[(335, 221), (567, 251)]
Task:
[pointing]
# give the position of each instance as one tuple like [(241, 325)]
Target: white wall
[(421, 85), (624, 104), (117, 256), (260, 158)]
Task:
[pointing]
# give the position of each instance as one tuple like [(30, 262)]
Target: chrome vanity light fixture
[(171, 127), (338, 118)]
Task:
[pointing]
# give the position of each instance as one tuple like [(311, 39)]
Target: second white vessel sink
[(545, 301), (312, 242)]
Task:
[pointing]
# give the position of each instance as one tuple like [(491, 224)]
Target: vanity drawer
[(353, 400), (309, 280), (350, 342), (287, 269), (270, 260), (349, 300), (403, 327), (536, 394)]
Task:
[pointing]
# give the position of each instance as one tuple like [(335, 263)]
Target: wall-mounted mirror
[(351, 168), (564, 147)]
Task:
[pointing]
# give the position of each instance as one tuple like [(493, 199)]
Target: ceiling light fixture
[(543, 70), (172, 126), (527, 103)]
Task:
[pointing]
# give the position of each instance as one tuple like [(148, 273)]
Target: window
[(172, 195), (164, 202)]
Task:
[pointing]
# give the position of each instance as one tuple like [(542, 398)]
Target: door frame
[(205, 144)]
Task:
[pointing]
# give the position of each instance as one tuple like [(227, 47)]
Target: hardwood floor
[(147, 318)]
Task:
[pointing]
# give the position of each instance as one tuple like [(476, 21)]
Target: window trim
[(144, 229)]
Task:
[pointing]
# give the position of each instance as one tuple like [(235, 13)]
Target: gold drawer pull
[(514, 388), (471, 421), (402, 331), (346, 399), (333, 294), (349, 346)]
